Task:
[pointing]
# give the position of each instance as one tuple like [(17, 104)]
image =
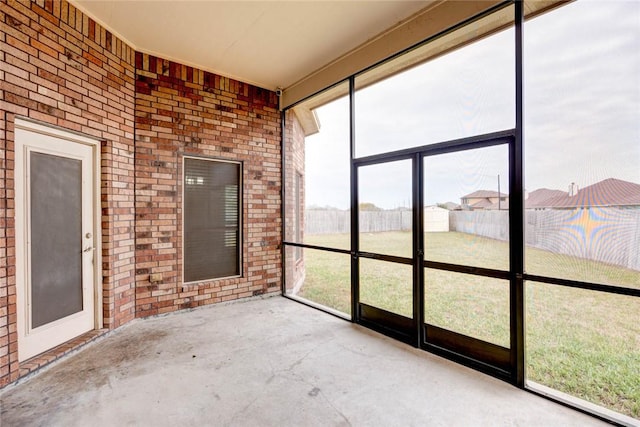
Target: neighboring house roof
[(489, 206), (451, 206), (481, 204), (503, 205), (482, 194), (609, 192), (538, 198), (481, 199)]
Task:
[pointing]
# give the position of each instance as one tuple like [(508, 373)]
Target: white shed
[(436, 219)]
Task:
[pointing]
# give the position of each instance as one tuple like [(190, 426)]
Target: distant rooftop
[(484, 193), (608, 192), (539, 197)]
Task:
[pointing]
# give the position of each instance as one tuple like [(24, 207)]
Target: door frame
[(395, 325), (31, 126), (484, 356)]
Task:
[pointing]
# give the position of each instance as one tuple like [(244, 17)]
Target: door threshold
[(34, 364)]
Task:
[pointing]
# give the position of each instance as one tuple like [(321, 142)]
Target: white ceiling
[(267, 43)]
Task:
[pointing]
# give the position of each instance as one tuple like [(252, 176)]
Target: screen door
[(54, 240)]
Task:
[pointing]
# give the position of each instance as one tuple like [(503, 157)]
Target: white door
[(55, 238)]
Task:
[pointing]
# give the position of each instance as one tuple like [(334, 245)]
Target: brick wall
[(60, 67), (295, 206), (180, 111)]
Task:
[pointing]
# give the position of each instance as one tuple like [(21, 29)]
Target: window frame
[(240, 217)]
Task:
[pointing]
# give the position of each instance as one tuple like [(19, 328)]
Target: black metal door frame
[(481, 355), (397, 326), (490, 358)]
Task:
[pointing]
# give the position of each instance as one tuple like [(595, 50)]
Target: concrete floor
[(266, 362)]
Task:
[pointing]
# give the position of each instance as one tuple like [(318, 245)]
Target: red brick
[(62, 68)]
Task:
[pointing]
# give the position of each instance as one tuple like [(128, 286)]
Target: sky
[(582, 113)]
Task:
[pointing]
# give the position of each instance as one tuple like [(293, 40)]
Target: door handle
[(88, 249)]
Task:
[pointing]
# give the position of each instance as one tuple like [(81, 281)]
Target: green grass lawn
[(583, 343)]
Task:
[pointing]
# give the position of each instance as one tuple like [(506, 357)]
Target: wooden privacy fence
[(338, 221), (492, 224), (610, 235), (330, 221)]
